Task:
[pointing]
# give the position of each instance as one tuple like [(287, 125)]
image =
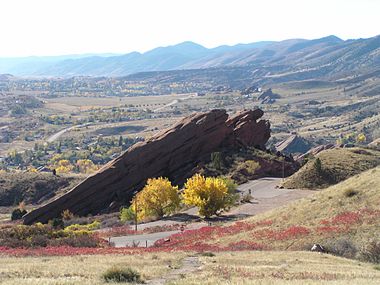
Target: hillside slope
[(32, 188), (336, 165), (345, 217)]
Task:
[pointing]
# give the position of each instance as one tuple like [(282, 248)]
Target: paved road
[(263, 188), (265, 197), (174, 102), (57, 135)]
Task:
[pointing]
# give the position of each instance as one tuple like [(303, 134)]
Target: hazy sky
[(56, 27)]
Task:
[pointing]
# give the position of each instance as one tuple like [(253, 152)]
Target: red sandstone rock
[(173, 153)]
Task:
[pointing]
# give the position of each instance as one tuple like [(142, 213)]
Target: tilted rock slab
[(173, 153)]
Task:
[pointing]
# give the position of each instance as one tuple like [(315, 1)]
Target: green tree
[(318, 165)]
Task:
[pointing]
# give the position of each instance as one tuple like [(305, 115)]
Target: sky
[(59, 27)]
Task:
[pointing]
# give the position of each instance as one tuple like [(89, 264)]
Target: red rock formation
[(173, 153)]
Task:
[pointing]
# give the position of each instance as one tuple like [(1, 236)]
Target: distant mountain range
[(328, 56)]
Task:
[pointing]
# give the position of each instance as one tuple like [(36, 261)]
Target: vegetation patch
[(122, 275)]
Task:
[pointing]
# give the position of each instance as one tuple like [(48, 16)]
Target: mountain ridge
[(328, 54)]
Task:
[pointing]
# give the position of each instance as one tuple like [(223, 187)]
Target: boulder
[(173, 153)]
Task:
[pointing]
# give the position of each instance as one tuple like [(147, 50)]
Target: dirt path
[(189, 264)]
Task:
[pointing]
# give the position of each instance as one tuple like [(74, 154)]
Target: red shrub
[(346, 218)]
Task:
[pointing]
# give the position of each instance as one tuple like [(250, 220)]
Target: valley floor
[(249, 267)]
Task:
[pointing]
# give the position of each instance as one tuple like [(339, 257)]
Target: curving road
[(57, 135)]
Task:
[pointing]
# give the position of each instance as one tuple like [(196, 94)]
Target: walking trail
[(189, 264)]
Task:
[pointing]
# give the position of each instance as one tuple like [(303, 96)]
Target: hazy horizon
[(58, 28)]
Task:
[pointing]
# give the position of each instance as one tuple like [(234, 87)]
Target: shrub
[(216, 160), (76, 241), (67, 215), (127, 214), (350, 192), (341, 247), (116, 274), (249, 167), (57, 223), (232, 197), (207, 254), (17, 214), (371, 252), (318, 165), (89, 227)]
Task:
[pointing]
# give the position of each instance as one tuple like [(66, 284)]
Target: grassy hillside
[(345, 217), (336, 165), (32, 188)]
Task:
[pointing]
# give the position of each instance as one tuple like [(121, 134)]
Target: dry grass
[(337, 165), (324, 205), (33, 187), (224, 268), (84, 270), (294, 268)]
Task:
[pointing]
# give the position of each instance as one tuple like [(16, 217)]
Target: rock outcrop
[(173, 153), (293, 144)]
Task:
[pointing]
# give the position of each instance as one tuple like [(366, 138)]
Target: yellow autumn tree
[(86, 166), (64, 166), (208, 194), (157, 199), (361, 138)]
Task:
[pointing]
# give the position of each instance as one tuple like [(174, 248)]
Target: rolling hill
[(336, 165)]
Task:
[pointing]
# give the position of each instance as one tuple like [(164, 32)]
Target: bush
[(76, 241), (57, 223), (67, 215), (249, 167), (371, 252), (217, 160), (39, 235), (17, 214), (127, 214), (318, 165), (350, 193), (115, 274), (341, 247), (207, 254)]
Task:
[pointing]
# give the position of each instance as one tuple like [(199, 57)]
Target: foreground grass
[(281, 268), (84, 270), (247, 267)]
